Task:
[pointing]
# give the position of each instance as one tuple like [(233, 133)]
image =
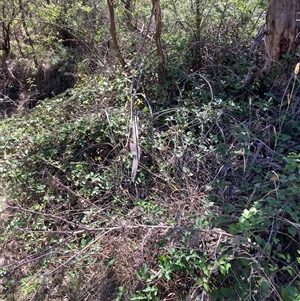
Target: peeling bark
[(282, 30)]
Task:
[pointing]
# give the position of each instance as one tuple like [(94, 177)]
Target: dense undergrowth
[(213, 213)]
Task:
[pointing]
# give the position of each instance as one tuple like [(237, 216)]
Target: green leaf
[(206, 287), (149, 289), (285, 295), (138, 296), (292, 230), (142, 272), (265, 287), (224, 269), (227, 292), (162, 258), (289, 269), (110, 261)]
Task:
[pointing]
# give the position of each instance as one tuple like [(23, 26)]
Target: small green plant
[(150, 292), (121, 291)]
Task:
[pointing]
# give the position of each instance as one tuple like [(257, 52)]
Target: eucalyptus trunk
[(282, 30)]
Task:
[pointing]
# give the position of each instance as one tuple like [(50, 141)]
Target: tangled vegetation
[(213, 213)]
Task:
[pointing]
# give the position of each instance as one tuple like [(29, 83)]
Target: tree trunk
[(113, 33), (282, 30), (26, 30), (158, 23)]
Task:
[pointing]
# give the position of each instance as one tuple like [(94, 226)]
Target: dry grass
[(89, 247)]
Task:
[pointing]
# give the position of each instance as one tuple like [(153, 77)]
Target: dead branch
[(133, 23)]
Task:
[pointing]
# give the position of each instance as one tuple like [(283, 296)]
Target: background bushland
[(213, 213)]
